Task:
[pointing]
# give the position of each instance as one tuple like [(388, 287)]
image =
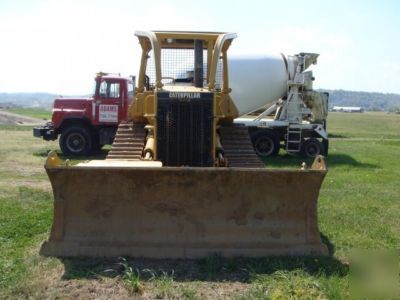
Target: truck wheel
[(265, 144), (76, 141), (312, 147)]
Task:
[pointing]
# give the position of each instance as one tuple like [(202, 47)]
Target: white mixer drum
[(257, 81)]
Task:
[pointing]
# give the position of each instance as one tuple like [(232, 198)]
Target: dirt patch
[(102, 288), (211, 290), (48, 283), (115, 288), (86, 278), (8, 118)]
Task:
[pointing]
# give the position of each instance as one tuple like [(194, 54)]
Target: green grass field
[(358, 208), (38, 113)]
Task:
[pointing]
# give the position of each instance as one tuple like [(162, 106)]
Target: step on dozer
[(181, 180)]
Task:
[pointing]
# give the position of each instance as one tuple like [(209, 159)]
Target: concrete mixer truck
[(182, 179), (294, 115)]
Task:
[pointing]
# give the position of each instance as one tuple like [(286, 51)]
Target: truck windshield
[(109, 89)]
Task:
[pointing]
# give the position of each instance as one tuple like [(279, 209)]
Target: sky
[(57, 46)]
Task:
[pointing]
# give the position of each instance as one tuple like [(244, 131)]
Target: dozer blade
[(123, 208)]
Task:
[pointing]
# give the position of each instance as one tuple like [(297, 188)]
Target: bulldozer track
[(238, 149), (128, 142)]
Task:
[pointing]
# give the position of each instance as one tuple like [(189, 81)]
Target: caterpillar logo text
[(182, 95)]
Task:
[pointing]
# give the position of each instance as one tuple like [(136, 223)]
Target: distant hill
[(44, 100), (366, 100)]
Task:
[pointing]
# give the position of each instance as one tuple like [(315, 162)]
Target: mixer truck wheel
[(312, 147), (265, 143), (76, 140)]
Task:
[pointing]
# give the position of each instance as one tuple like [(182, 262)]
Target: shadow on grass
[(212, 268), (292, 161), (337, 136), (344, 159), (331, 247)]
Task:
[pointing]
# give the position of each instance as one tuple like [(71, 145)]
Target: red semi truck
[(86, 124)]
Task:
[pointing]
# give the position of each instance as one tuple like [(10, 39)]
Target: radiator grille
[(185, 130)]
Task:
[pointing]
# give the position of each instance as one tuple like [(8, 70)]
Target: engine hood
[(71, 103)]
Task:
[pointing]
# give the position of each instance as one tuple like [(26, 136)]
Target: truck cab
[(86, 124)]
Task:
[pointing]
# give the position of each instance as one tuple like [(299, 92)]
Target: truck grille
[(185, 129)]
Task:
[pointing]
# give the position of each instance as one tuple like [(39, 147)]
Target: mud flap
[(167, 212)]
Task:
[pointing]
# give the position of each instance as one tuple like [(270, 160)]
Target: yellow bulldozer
[(182, 180)]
